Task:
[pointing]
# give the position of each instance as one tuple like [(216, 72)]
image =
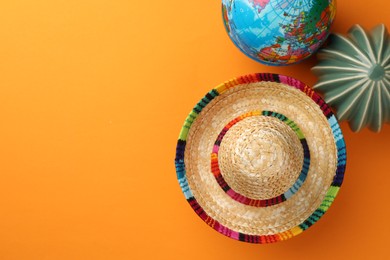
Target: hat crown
[(260, 157)]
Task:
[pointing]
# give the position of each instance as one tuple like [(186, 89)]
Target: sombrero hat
[(261, 158)]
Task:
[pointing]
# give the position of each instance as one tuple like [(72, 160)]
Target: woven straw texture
[(261, 158)]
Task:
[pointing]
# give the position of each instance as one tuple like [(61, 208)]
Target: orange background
[(93, 94)]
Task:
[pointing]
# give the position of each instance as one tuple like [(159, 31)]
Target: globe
[(278, 32)]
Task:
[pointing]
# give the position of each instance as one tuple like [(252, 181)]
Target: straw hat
[(261, 158)]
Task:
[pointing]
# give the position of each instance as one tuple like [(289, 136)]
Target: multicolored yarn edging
[(331, 193)]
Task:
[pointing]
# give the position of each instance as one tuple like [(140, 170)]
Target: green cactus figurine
[(354, 76)]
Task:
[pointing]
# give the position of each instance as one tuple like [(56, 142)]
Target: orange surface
[(92, 98)]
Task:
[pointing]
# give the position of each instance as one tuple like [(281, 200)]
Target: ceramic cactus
[(354, 76)]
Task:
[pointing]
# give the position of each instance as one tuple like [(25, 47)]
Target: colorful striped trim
[(257, 202), (331, 193)]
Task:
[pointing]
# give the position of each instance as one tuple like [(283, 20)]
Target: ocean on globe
[(278, 32)]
